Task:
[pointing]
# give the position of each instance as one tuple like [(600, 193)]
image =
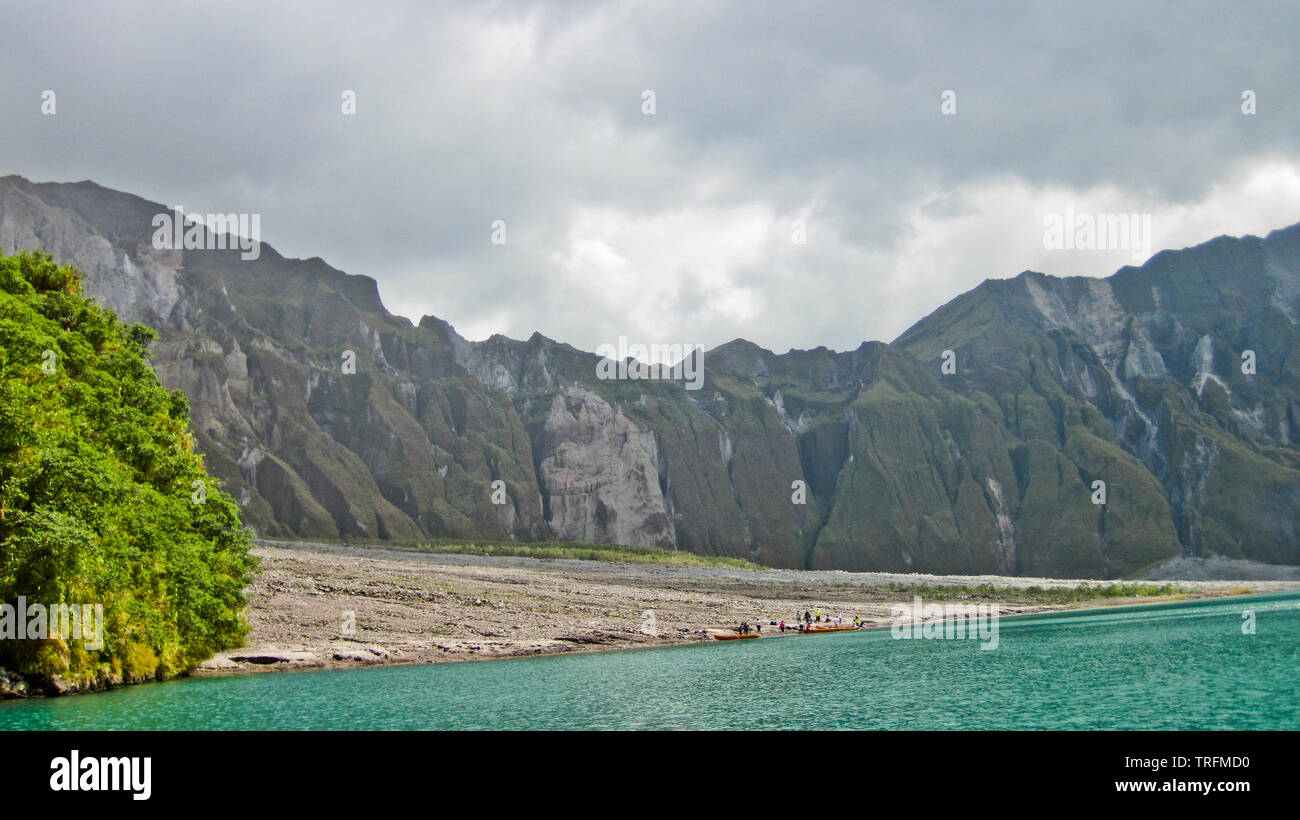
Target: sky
[(800, 174)]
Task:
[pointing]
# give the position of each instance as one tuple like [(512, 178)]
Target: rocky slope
[(1135, 381), (1188, 365)]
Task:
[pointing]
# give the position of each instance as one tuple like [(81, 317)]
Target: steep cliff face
[(600, 474), (868, 459), (648, 461), (1190, 364), (403, 445), (899, 470)]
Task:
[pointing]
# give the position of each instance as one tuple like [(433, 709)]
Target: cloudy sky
[(677, 225)]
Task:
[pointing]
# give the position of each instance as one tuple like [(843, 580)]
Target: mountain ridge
[(1059, 382)]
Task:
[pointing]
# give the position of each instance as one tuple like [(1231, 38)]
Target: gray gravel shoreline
[(1216, 574)]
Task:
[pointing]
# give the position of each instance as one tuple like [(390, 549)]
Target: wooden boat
[(817, 630), (733, 636)]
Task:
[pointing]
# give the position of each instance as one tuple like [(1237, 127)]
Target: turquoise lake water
[(1172, 666)]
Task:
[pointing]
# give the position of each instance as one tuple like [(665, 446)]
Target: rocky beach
[(318, 605)]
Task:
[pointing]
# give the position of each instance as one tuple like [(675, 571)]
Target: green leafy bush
[(98, 477)]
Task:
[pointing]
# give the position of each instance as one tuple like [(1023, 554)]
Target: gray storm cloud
[(676, 226)]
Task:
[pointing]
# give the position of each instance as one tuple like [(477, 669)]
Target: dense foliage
[(103, 499)]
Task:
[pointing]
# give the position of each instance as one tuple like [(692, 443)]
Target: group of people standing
[(803, 621)]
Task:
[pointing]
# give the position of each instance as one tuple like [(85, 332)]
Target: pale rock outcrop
[(600, 473)]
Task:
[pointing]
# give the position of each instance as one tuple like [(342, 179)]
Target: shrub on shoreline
[(103, 498)]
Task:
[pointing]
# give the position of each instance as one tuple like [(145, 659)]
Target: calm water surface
[(1172, 666)]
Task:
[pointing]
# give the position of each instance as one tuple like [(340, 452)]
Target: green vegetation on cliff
[(589, 552), (103, 498)]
